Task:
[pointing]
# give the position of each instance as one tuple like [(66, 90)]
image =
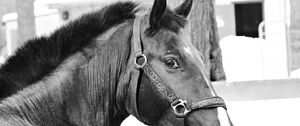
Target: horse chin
[(205, 117), (169, 119)]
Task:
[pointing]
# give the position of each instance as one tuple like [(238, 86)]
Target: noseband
[(180, 107)]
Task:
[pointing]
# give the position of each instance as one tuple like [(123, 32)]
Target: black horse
[(106, 65)]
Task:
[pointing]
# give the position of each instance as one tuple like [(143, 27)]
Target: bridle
[(180, 106)]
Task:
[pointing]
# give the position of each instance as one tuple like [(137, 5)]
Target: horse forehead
[(181, 42), (185, 43), (188, 50), (168, 38), (174, 42)]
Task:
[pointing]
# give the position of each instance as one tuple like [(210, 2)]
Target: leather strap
[(136, 38), (136, 73), (134, 87), (211, 102), (159, 84)]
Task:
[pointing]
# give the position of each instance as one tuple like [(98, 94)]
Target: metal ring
[(139, 55), (178, 104)]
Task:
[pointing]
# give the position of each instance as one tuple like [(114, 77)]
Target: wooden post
[(294, 36), (2, 32), (26, 20), (204, 35)]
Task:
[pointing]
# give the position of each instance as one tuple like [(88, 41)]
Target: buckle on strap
[(138, 65), (180, 109), (211, 102)]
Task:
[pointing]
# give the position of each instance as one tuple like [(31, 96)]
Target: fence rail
[(258, 90)]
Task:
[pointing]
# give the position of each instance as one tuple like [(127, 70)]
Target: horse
[(108, 64)]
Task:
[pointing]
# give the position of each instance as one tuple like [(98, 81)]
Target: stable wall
[(266, 59)]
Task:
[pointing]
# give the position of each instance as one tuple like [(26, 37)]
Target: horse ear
[(158, 9), (185, 8)]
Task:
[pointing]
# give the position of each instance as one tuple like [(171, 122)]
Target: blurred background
[(259, 39)]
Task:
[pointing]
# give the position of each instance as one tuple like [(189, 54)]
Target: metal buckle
[(179, 107), (137, 56)]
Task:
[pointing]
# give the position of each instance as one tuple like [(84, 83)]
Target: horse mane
[(42, 55)]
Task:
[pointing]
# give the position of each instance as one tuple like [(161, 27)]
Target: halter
[(180, 106)]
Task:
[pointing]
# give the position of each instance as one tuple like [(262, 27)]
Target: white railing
[(263, 102), (258, 90)]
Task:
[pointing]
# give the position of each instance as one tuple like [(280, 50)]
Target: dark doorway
[(247, 18)]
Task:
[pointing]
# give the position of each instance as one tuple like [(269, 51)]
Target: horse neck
[(41, 103), (98, 89), (81, 92)]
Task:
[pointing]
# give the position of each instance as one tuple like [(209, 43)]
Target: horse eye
[(171, 63)]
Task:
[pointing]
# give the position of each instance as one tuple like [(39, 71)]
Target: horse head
[(170, 83)]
